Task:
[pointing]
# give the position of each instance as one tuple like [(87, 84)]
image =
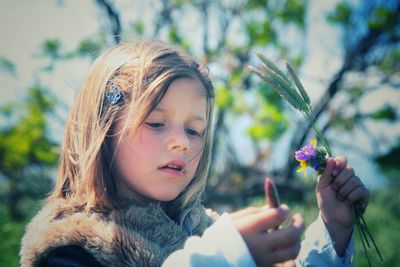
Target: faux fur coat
[(131, 236)]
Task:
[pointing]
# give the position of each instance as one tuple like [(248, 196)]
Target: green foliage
[(138, 27), (24, 141), (342, 122), (293, 11), (390, 163), (26, 153), (260, 33), (51, 48), (11, 233), (385, 113), (223, 97), (270, 123), (268, 94), (256, 4), (383, 18), (88, 47), (7, 66), (390, 63), (341, 15), (175, 36)]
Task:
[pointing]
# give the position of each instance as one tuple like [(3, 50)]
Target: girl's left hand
[(337, 189)]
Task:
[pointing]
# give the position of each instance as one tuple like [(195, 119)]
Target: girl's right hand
[(269, 248)]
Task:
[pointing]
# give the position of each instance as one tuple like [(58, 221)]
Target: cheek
[(196, 153), (144, 141)]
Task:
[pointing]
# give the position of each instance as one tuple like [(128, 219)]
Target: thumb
[(326, 178)]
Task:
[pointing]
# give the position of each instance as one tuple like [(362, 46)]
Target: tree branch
[(113, 19)]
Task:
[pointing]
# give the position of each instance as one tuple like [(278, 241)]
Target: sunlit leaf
[(223, 97)]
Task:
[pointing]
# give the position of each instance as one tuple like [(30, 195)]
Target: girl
[(133, 167)]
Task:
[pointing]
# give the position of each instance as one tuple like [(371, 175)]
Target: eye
[(154, 125), (194, 132)]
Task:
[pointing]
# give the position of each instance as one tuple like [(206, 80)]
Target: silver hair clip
[(115, 95)]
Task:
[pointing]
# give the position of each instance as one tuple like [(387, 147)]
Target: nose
[(178, 141)]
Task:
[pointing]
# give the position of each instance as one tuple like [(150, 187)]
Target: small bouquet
[(311, 155)]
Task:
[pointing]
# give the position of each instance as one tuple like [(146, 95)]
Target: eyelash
[(157, 125)]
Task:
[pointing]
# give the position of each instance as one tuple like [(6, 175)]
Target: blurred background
[(346, 53)]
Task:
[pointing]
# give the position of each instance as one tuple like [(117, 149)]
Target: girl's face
[(160, 159)]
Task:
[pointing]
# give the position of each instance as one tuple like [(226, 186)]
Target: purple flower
[(307, 152)]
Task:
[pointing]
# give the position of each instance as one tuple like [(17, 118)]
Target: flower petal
[(314, 143)]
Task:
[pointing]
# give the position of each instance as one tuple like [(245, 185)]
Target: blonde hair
[(143, 73)]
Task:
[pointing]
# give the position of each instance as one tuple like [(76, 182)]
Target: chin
[(166, 196)]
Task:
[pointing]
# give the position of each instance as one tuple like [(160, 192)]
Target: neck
[(128, 195)]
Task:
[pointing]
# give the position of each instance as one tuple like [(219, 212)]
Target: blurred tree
[(26, 153)]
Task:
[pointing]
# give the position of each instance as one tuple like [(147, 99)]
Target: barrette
[(114, 95)]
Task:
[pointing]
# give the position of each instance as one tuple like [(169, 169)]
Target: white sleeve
[(317, 249), (220, 245)]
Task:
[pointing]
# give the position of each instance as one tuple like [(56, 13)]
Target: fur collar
[(132, 236)]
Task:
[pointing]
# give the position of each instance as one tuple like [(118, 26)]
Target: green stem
[(311, 119)]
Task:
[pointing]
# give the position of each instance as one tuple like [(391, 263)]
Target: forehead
[(184, 94)]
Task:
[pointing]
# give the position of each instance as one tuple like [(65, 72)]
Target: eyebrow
[(195, 117)]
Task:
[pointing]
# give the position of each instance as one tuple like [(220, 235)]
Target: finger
[(343, 177), (285, 254), (289, 236), (348, 187), (326, 177), (289, 263), (264, 220), (340, 164), (244, 212), (360, 193)]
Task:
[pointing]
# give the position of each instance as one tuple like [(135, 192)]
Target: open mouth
[(174, 167)]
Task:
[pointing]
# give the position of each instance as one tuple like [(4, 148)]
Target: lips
[(174, 167)]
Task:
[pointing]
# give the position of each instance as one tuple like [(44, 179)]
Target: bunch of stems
[(292, 90)]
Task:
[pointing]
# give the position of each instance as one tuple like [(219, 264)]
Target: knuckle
[(338, 182), (356, 194), (341, 160)]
